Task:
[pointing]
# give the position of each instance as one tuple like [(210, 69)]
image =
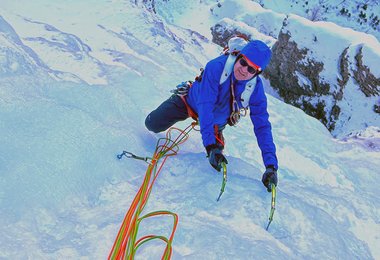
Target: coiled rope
[(125, 245)]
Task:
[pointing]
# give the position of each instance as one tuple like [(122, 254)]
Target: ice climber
[(227, 89)]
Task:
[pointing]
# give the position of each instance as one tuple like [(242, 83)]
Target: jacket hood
[(258, 53)]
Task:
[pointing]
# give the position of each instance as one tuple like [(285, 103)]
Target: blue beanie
[(257, 52)]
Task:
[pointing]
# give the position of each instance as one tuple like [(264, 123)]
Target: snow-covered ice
[(63, 193)]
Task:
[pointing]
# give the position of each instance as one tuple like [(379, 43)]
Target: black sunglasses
[(250, 69)]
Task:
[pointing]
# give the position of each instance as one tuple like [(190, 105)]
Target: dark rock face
[(369, 84), (288, 64), (305, 80), (343, 69)]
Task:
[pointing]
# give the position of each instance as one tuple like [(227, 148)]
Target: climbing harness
[(182, 90)]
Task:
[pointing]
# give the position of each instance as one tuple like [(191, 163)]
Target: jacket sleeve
[(261, 125), (208, 94)]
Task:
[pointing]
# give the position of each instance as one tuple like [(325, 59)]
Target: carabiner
[(131, 155)]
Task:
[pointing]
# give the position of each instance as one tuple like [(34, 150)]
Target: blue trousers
[(167, 114)]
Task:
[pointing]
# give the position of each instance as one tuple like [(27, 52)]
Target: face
[(243, 71)]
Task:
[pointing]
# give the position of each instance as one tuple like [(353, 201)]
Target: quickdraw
[(131, 155), (236, 111)]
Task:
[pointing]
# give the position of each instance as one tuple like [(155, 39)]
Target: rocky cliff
[(330, 72)]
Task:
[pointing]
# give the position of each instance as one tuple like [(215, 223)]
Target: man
[(216, 102)]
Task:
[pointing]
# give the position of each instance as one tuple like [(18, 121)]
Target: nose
[(244, 69)]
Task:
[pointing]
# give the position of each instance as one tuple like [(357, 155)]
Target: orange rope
[(125, 245)]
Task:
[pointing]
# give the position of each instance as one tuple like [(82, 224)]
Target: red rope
[(127, 232)]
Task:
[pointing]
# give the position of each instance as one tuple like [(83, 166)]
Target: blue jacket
[(211, 101)]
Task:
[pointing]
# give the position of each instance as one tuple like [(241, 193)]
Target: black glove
[(215, 156), (269, 176)]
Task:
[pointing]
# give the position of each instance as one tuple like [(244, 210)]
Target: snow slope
[(63, 193)]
